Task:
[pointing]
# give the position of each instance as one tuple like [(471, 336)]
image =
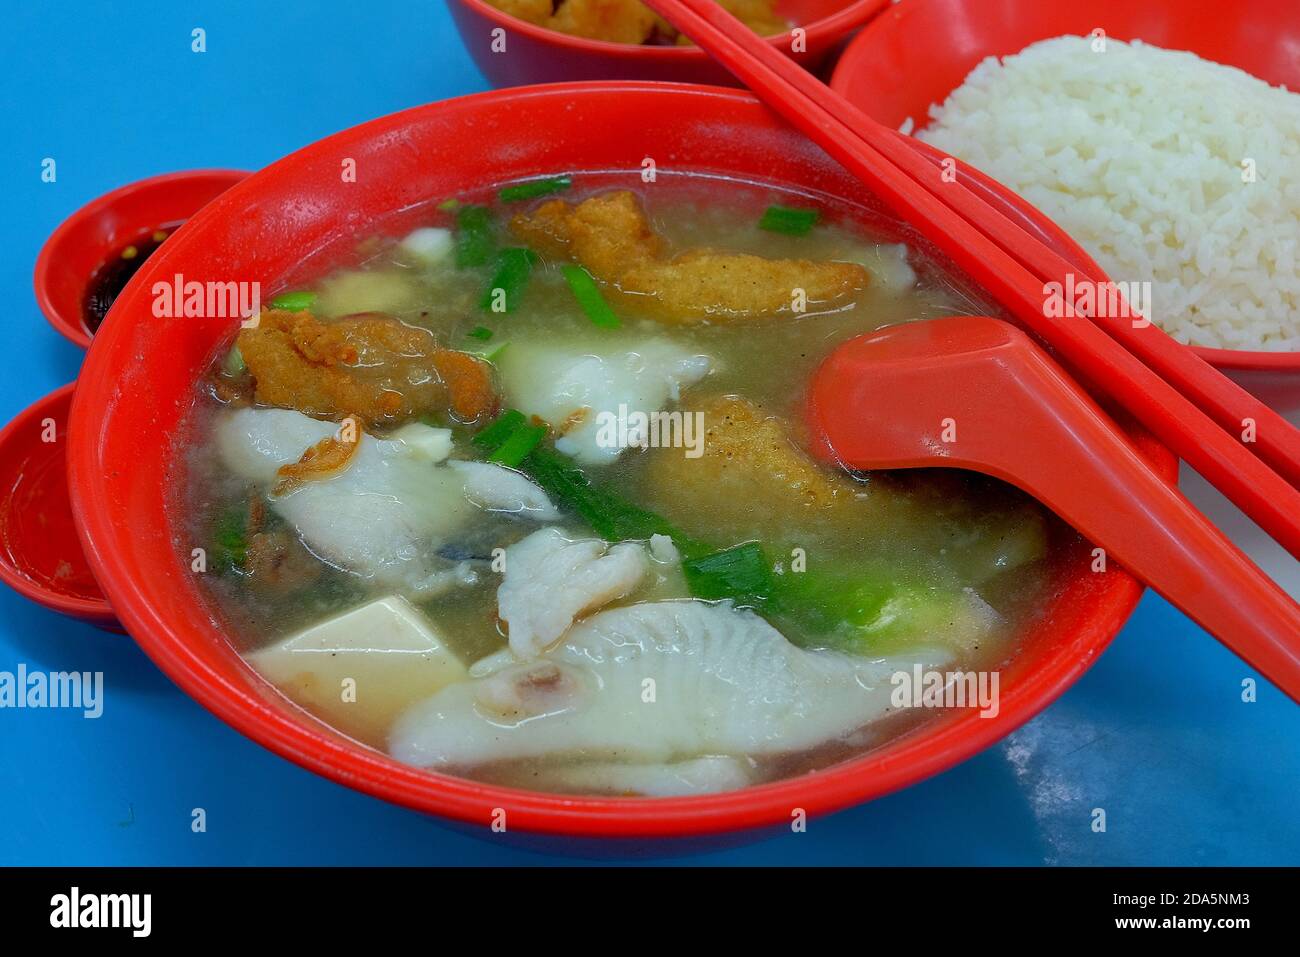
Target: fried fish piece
[(370, 366), (629, 21), (533, 11), (750, 473), (611, 237), (617, 21), (758, 15)]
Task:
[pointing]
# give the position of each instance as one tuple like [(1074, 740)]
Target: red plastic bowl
[(40, 554), (918, 52), (84, 240), (535, 54), (139, 377)]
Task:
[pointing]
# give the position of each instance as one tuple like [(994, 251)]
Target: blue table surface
[(1157, 733)]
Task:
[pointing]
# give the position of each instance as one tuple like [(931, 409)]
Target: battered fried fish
[(611, 237), (618, 21), (370, 366), (750, 472)]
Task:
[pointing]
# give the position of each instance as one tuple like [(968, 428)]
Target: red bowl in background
[(535, 54), (85, 240), (918, 52), (40, 552), (139, 379)]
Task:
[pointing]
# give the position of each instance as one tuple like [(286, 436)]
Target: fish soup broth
[(524, 494)]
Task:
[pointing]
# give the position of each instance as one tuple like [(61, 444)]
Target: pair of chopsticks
[(1200, 414)]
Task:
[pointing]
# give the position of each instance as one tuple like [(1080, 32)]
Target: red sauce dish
[(534, 54), (918, 52), (93, 239), (139, 378)]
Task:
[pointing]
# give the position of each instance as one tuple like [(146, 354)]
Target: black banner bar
[(332, 905)]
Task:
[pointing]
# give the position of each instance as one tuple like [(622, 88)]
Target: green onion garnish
[(609, 514), (741, 573), (230, 540), (449, 205), (489, 353), (482, 333), (534, 188), (589, 297), (474, 242), (785, 219), (514, 266), (493, 435), (521, 443), (295, 301)]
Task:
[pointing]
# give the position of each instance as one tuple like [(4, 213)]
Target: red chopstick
[(1014, 265)]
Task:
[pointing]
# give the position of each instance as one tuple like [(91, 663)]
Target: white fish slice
[(651, 683), (550, 580), (571, 388), (385, 515)]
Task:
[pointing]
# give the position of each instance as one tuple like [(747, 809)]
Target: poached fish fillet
[(652, 682)]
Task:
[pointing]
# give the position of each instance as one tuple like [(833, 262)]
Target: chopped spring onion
[(474, 242), (785, 219), (230, 540), (295, 301), (741, 573), (489, 353), (518, 446), (611, 516), (493, 434), (514, 266), (449, 205), (534, 188), (482, 333), (589, 297)]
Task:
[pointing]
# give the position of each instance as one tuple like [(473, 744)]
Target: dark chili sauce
[(108, 281)]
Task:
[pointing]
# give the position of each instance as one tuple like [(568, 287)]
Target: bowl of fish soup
[(500, 705)]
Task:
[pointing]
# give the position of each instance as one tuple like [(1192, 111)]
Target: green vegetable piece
[(514, 267), (490, 353), (866, 611), (741, 573), (534, 188), (295, 301), (230, 541), (233, 364), (516, 448), (608, 513), (788, 220), (449, 205), (492, 435), (482, 333), (825, 601), (474, 240), (589, 297)]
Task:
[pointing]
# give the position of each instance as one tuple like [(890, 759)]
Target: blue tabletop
[(1156, 734)]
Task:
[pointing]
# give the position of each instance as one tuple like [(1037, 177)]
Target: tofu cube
[(359, 670)]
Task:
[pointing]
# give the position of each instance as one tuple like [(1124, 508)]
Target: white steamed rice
[(1138, 153)]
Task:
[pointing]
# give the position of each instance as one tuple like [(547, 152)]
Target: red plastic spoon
[(976, 393)]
